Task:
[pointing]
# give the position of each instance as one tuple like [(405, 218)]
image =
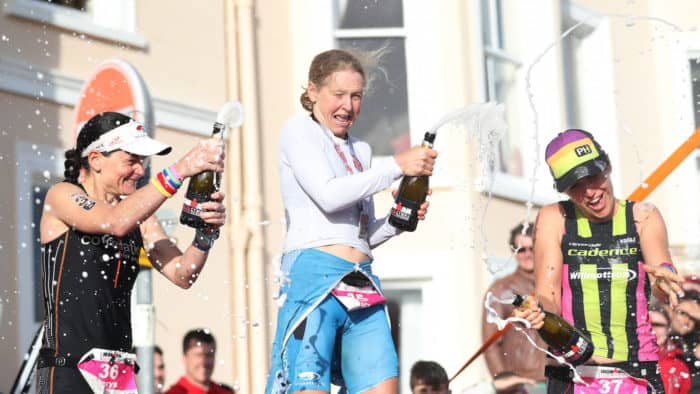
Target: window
[(371, 26), (501, 67), (695, 81), (587, 65), (105, 19), (38, 168), (75, 4), (39, 189), (406, 311)]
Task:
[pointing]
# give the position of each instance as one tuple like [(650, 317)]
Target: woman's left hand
[(214, 212), (667, 281), (423, 209)]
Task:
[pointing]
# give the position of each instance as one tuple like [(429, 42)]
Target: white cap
[(129, 137)]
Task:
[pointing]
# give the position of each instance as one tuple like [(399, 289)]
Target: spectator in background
[(199, 355), (158, 369), (503, 383), (674, 371), (429, 377), (684, 331), (692, 282), (510, 353)]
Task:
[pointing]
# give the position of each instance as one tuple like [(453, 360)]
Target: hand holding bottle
[(563, 339), (417, 161), (417, 166), (423, 209), (531, 311), (207, 155), (213, 212)]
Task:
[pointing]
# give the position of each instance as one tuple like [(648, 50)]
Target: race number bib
[(109, 371), (353, 297), (606, 380)]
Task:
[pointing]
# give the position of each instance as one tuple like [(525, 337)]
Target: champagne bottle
[(199, 190), (564, 339), (412, 193)]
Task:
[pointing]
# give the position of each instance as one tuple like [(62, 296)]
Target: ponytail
[(72, 166), (306, 102)]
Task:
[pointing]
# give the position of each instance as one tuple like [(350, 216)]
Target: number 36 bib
[(109, 371)]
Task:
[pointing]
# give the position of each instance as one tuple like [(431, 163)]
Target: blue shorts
[(357, 344), (318, 342)]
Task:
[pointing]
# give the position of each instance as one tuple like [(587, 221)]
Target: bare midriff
[(345, 252)]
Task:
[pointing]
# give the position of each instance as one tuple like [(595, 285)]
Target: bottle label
[(403, 209), (191, 207), (579, 350)]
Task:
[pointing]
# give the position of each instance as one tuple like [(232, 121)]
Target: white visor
[(129, 137)]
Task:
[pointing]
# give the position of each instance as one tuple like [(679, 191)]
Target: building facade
[(626, 72)]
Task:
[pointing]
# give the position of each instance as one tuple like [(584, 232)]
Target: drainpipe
[(251, 350)]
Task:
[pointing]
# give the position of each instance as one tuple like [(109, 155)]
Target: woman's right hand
[(207, 155), (417, 161), (530, 311)]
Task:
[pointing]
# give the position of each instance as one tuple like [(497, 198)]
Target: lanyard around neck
[(355, 161)]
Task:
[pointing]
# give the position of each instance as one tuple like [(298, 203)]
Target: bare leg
[(389, 386), (310, 392)]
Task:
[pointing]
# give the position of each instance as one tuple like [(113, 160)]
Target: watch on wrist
[(203, 241)]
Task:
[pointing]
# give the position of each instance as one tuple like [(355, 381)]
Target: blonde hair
[(326, 63)]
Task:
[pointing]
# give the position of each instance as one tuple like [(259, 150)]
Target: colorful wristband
[(155, 182), (669, 267), (172, 180), (167, 186), (174, 172)]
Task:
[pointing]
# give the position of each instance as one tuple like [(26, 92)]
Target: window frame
[(507, 186), (29, 161), (687, 49), (84, 22), (378, 33)]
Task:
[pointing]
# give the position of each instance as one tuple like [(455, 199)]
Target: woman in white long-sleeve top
[(333, 323)]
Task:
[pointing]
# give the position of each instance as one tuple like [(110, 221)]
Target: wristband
[(174, 173), (203, 241), (201, 246), (172, 179), (155, 182), (669, 267), (167, 186)]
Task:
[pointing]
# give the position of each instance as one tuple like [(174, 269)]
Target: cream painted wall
[(183, 65), (654, 107)]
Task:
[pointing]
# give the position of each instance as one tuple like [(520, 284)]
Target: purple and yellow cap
[(572, 155)]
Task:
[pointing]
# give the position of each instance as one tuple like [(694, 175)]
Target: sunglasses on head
[(524, 249)]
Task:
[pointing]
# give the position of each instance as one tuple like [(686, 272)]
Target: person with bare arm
[(597, 260), (333, 324), (92, 229)]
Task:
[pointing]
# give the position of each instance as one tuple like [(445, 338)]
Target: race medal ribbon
[(364, 216), (109, 371)]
